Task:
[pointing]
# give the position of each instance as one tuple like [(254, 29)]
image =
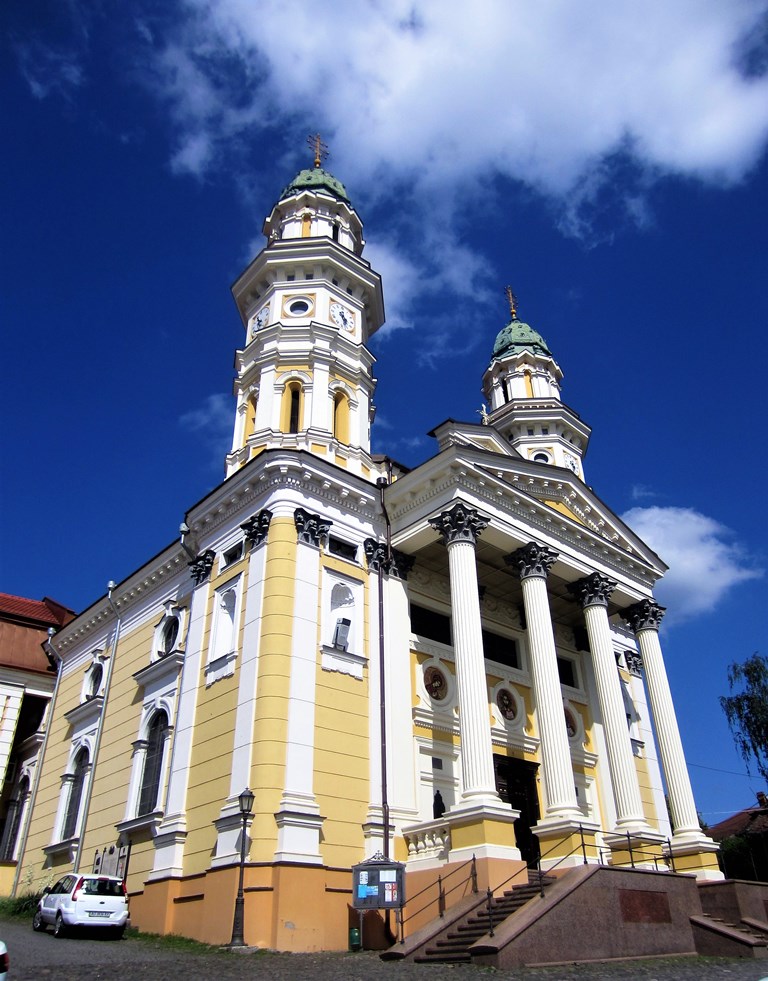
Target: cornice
[(273, 470), (100, 616), (522, 506)]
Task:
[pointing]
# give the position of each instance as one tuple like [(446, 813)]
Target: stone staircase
[(716, 937), (453, 948)]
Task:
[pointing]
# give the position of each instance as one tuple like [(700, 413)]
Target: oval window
[(298, 307)]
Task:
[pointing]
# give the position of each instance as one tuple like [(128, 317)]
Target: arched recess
[(341, 417)]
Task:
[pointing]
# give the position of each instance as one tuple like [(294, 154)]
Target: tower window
[(541, 457), (293, 422), (335, 232)]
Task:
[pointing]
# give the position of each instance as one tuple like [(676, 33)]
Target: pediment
[(562, 492), (477, 435)]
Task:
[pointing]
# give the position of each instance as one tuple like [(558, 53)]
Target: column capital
[(645, 615), (311, 528), (592, 590), (201, 566), (532, 560), (459, 524), (398, 564), (257, 526)]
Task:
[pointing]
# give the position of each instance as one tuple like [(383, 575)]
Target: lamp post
[(246, 806)]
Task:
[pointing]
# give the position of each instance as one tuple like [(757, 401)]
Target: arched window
[(69, 828), (13, 820), (341, 417), (94, 681), (169, 636), (306, 225), (290, 415), (153, 763)]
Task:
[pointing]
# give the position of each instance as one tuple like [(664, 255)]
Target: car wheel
[(59, 929), (118, 932), (38, 923)]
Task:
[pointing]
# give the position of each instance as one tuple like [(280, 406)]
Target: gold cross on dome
[(319, 148), (512, 300)]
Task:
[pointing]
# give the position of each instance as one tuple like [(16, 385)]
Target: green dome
[(516, 337), (316, 179)]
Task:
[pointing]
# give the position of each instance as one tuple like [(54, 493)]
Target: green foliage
[(19, 906), (747, 710)]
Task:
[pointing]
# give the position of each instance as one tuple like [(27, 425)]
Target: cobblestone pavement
[(85, 958)]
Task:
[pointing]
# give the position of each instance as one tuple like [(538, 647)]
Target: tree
[(747, 710)]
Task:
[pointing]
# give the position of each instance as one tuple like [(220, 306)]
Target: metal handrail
[(442, 893), (632, 847)]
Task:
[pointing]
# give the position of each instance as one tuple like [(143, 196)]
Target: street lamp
[(245, 801)]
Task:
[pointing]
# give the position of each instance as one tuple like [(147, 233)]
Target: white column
[(593, 593), (229, 823), (460, 527), (644, 618), (532, 563)]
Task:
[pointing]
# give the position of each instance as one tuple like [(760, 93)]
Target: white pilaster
[(229, 822), (172, 832), (298, 817), (10, 707)]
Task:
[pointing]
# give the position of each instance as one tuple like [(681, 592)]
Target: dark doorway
[(516, 785)]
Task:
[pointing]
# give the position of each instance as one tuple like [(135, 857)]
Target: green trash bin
[(354, 938)]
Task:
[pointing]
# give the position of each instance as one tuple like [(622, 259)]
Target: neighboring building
[(743, 840), (513, 611), (26, 684)]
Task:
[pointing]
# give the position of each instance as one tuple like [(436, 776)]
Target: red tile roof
[(45, 610)]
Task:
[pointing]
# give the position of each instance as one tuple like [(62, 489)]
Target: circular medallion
[(435, 683), (507, 705)]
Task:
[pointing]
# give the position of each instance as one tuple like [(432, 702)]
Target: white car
[(3, 961), (83, 901)]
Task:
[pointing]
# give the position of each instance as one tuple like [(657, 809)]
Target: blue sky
[(606, 160)]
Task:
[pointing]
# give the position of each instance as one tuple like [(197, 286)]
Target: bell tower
[(522, 386), (308, 303)]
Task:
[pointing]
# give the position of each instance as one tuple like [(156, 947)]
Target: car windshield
[(102, 887)]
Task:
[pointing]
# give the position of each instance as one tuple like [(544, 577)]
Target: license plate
[(98, 913)]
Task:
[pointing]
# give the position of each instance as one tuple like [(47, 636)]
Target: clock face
[(342, 317), (260, 320), (572, 463)]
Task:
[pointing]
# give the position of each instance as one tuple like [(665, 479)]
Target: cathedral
[(454, 663)]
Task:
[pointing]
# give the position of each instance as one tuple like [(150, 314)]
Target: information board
[(378, 884)]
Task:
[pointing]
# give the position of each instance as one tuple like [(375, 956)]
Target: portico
[(571, 584)]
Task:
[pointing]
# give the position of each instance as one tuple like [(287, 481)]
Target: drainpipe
[(55, 659), (382, 483), (99, 731)]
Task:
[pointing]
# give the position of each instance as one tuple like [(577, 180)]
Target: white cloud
[(213, 419), (441, 90), (704, 561), (48, 70)]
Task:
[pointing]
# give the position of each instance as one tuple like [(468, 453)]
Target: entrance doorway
[(516, 785)]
